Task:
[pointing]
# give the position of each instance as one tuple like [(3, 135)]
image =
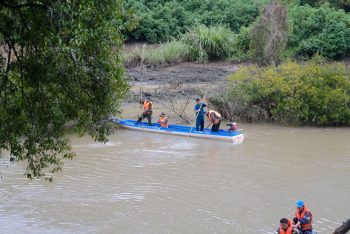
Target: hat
[(300, 203), (162, 113)]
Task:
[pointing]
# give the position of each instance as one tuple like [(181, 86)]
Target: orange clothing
[(147, 105), (306, 226), (217, 115), (289, 229), (163, 120)]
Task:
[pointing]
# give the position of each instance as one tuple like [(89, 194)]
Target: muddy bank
[(180, 80)]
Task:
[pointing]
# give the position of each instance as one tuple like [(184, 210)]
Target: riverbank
[(180, 80)]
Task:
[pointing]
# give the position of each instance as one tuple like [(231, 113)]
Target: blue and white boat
[(236, 137)]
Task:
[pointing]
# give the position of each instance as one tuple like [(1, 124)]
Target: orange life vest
[(289, 229), (306, 226), (147, 105), (163, 120), (218, 116)]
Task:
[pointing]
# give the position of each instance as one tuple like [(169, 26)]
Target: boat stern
[(238, 139)]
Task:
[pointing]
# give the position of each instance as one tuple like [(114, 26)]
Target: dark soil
[(179, 80)]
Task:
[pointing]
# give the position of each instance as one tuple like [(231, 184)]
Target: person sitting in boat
[(215, 119), (163, 120), (303, 218), (200, 112), (147, 111), (286, 227)]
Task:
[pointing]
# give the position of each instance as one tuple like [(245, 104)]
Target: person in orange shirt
[(286, 227), (215, 119), (303, 218), (147, 111), (163, 120)]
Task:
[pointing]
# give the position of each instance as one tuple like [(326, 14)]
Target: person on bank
[(303, 218), (286, 227), (147, 111), (215, 119), (163, 120), (199, 109)]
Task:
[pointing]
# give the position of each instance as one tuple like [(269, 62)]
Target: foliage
[(344, 4), (162, 20), (58, 68), (269, 34), (208, 43), (200, 44), (316, 93), (170, 52), (240, 50), (321, 30)]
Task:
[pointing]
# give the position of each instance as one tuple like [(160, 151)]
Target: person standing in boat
[(303, 218), (147, 111), (200, 112), (215, 119), (163, 120)]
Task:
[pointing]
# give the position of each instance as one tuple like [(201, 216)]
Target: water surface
[(150, 183)]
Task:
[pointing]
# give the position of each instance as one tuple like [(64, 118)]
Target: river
[(149, 183)]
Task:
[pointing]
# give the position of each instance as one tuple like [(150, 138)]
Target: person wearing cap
[(163, 120), (200, 112), (147, 111), (303, 218)]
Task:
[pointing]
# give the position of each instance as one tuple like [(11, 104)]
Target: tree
[(58, 68), (269, 34)]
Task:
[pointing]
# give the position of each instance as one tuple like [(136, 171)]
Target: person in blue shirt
[(200, 112)]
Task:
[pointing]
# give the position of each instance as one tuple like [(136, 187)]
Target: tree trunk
[(343, 228)]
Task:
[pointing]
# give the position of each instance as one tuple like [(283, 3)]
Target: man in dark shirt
[(200, 112)]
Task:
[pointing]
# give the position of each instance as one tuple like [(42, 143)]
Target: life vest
[(306, 226), (163, 120), (218, 116), (289, 229), (147, 105)]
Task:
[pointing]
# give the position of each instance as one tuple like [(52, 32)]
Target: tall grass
[(171, 52), (208, 43), (200, 44)]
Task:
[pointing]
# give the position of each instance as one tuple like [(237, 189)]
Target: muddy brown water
[(150, 183)]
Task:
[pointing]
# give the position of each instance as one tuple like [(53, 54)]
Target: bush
[(170, 52), (162, 20), (316, 93), (323, 30), (240, 50), (200, 44), (208, 43)]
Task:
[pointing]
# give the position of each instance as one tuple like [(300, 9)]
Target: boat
[(235, 137)]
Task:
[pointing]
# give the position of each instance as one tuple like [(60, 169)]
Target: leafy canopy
[(58, 69)]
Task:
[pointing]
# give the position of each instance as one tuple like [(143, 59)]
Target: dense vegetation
[(200, 44), (316, 93), (311, 27), (161, 20), (57, 68)]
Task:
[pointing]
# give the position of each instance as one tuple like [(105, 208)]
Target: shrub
[(208, 43), (316, 93), (162, 20), (170, 52), (323, 30), (240, 50)]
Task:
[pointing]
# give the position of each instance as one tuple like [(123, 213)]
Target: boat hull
[(233, 137)]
